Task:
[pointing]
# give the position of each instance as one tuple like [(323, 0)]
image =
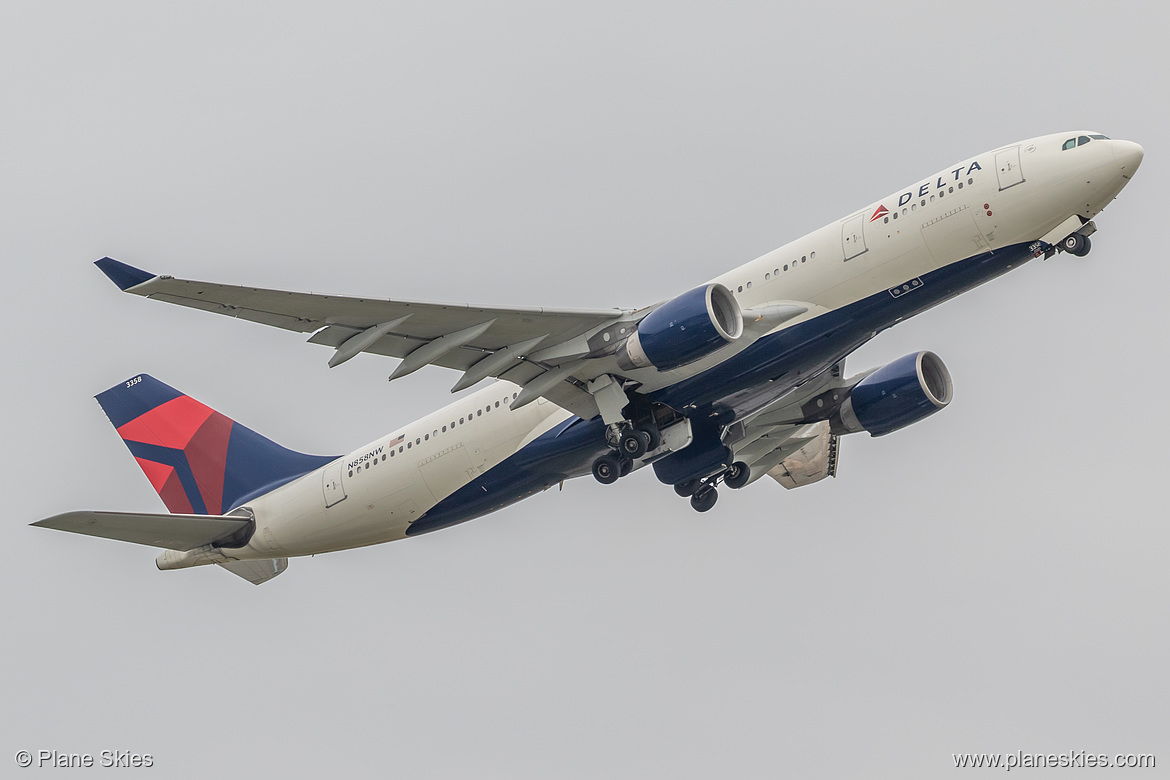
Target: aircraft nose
[(1128, 156)]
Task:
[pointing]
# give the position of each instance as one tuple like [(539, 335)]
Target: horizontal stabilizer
[(257, 572), (173, 532)]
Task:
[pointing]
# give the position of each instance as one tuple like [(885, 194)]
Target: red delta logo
[(183, 435), (881, 212)]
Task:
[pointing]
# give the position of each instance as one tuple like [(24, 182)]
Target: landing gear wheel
[(1076, 245), (654, 439), (634, 444), (687, 488), (607, 469), (627, 466), (704, 499), (737, 475)]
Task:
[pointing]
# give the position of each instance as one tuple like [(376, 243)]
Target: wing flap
[(815, 460), (172, 532)]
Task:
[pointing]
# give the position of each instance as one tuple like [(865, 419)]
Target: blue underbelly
[(765, 369)]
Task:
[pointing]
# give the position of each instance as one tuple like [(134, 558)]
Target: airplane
[(734, 380)]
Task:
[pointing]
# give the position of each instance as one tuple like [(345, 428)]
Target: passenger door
[(853, 236), (331, 484), (1007, 166)]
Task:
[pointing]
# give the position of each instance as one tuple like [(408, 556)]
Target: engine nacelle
[(897, 394), (684, 329)]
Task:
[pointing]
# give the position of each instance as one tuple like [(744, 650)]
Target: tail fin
[(199, 461)]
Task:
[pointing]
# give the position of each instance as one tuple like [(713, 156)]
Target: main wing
[(517, 344)]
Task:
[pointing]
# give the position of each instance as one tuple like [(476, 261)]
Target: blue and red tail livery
[(198, 460)]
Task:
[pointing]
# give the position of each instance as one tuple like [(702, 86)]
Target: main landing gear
[(629, 443), (703, 492), (607, 469), (636, 442), (704, 499)]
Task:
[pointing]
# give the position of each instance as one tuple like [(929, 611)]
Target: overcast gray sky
[(994, 579)]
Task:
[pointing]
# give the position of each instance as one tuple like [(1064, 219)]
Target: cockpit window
[(1081, 140)]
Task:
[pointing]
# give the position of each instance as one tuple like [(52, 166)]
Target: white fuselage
[(1018, 194), (374, 493)]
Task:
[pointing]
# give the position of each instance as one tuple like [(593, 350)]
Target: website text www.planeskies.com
[(1072, 759)]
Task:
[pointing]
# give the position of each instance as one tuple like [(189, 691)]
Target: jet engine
[(683, 329), (897, 394)]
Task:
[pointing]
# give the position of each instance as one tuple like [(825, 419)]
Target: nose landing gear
[(1071, 236), (1076, 245)]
